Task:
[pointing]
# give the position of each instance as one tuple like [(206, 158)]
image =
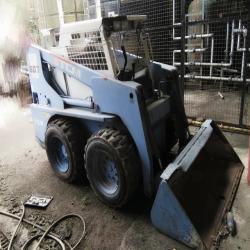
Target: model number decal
[(33, 65), (34, 69)]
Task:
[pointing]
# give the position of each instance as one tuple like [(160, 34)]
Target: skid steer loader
[(102, 107)]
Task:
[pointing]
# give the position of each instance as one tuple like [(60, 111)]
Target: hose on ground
[(60, 220), (51, 235), (16, 229), (47, 232), (28, 242)]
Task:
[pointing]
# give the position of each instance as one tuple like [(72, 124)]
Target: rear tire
[(64, 146), (112, 167)]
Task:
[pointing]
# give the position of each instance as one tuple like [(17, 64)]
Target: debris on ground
[(41, 219), (41, 228), (85, 201), (41, 201), (15, 208)]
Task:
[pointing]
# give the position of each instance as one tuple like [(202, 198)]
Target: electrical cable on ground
[(58, 221), (47, 232), (51, 235), (16, 229)]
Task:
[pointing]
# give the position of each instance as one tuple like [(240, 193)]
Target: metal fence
[(207, 41)]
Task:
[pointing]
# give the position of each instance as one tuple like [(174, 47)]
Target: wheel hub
[(61, 156), (108, 176)]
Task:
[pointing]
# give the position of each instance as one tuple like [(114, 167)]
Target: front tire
[(112, 167), (64, 146)]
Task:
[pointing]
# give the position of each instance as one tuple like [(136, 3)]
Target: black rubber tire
[(70, 135), (119, 149)]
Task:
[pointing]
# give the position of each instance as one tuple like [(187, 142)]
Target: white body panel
[(76, 38), (79, 45), (76, 89)]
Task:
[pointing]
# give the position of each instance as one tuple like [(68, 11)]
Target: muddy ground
[(24, 170)]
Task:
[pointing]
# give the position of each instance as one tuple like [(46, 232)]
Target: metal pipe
[(211, 64), (243, 57), (174, 24), (202, 41), (227, 42), (204, 64), (245, 71), (229, 55), (173, 58), (194, 36), (212, 56), (238, 38), (220, 20), (232, 45), (183, 44), (191, 50), (240, 30), (187, 51), (208, 30), (215, 78)]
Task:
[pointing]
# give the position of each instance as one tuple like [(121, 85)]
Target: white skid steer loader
[(102, 107)]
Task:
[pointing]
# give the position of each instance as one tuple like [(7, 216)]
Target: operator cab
[(116, 47), (128, 45), (130, 50)]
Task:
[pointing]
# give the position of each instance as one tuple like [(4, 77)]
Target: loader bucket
[(197, 189)]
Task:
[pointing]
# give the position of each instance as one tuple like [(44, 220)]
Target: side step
[(198, 189)]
